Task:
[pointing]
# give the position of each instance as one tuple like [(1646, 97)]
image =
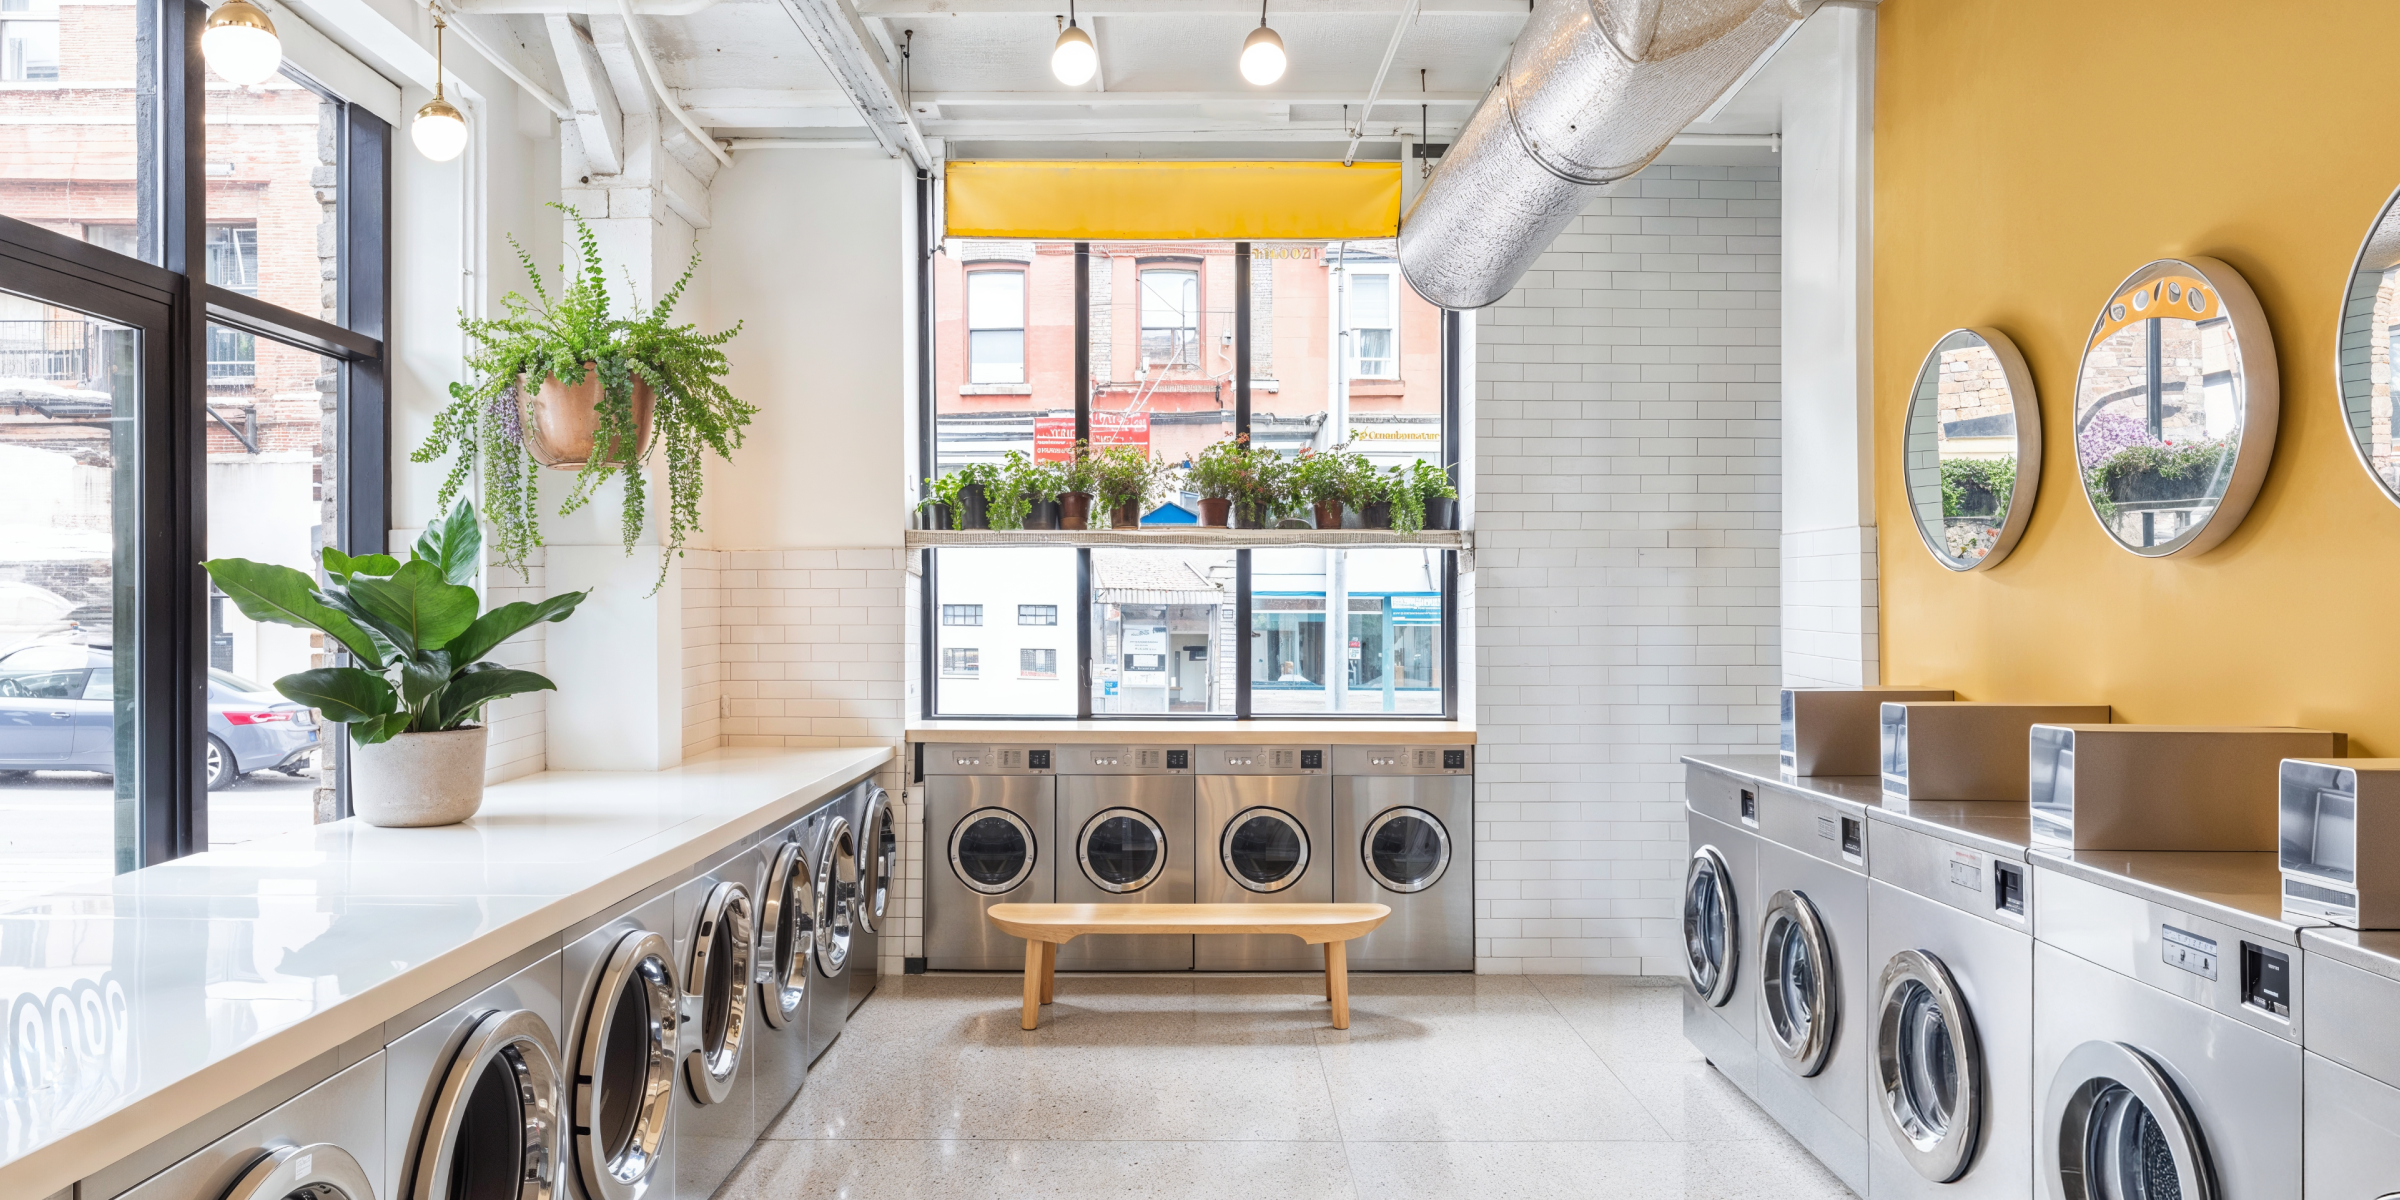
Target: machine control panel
[(1750, 807), (1259, 760), (2267, 980), (1124, 760), (956, 759), (2187, 951), (1403, 760)]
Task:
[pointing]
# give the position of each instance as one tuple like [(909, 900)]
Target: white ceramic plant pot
[(419, 779)]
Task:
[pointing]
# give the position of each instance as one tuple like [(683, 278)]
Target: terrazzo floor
[(1215, 1086)]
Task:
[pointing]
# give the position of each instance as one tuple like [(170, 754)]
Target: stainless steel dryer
[(324, 1144), (475, 1097), (622, 1002), (1816, 976), (833, 897), (989, 812), (2168, 1005), (1263, 835), (787, 934), (716, 940), (878, 834), (2351, 1063), (1404, 835), (1950, 1014), (1720, 907), (1125, 836)]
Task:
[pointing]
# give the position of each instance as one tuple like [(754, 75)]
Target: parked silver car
[(58, 713)]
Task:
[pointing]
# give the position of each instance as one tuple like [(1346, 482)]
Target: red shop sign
[(1054, 436)]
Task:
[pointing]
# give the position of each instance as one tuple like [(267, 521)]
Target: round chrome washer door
[(1121, 850), (837, 898), (786, 927), (1264, 849), (1796, 981), (992, 851), (1405, 849), (2119, 1130), (494, 1130), (1711, 927), (879, 861), (1928, 1066), (625, 1068), (318, 1171), (719, 976)]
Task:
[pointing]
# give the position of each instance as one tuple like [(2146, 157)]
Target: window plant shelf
[(1189, 535)]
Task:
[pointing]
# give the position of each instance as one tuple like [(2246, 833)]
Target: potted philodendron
[(418, 632), (1123, 477), (1077, 477), (1217, 474), (562, 382)]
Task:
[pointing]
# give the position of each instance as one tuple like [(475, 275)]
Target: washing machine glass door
[(992, 851), (322, 1171), (1797, 982), (719, 973), (1711, 927), (625, 1068), (1264, 849), (2123, 1130), (786, 925), (879, 861), (1122, 850), (494, 1130), (1928, 1066), (837, 898), (1406, 849)]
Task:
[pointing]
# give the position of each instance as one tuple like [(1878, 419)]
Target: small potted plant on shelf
[(419, 633), (1217, 474), (978, 483), (562, 382), (1076, 478), (1324, 480), (1029, 494), (1123, 478), (1371, 491), (1263, 489), (1436, 496), (942, 500)]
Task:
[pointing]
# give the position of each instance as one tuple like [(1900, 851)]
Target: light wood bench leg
[(1337, 983), (1049, 972), (1034, 956)]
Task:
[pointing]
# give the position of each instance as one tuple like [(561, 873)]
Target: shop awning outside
[(1172, 201)]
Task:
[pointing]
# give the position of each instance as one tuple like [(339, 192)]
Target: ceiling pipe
[(641, 49), (587, 8), (1408, 15), (558, 108), (1594, 90)]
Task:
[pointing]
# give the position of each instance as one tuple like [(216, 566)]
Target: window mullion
[(1241, 367)]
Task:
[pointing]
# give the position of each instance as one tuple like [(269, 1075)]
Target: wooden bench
[(1046, 927)]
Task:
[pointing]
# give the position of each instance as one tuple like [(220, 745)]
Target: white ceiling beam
[(1380, 9), (851, 56), (598, 120), (781, 99), (1202, 130), (741, 108)]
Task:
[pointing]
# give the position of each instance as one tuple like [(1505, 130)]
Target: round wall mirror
[(1973, 448), (2175, 407), (2370, 326)]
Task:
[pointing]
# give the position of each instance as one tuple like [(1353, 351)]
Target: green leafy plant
[(1432, 481), (2198, 461), (1010, 496), (1219, 470), (567, 336), (943, 490), (1994, 477), (1080, 473), (1324, 477), (1367, 484), (1125, 476), (1408, 503), (418, 631)]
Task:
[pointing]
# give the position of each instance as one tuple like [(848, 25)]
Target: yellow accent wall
[(2019, 175)]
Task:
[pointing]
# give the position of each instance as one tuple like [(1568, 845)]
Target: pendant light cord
[(438, 26), (1262, 14)]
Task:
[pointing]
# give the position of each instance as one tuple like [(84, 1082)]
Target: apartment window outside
[(28, 41), (1037, 664), (1170, 319), (962, 614), (1368, 314), (1037, 614), (995, 326), (959, 662)]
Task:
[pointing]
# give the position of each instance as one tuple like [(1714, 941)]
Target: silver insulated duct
[(1593, 91)]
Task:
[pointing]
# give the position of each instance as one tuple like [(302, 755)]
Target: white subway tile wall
[(519, 730), (1627, 546), (1829, 608)]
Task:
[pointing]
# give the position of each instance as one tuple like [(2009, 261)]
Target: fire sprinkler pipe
[(641, 49), (1408, 14), (558, 108), (647, 8)]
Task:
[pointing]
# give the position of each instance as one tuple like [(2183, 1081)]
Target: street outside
[(57, 828)]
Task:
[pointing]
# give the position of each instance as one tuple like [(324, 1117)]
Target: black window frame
[(1450, 339), (1051, 610), (169, 817)]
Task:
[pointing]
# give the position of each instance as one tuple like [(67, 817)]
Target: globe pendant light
[(240, 45), (1074, 58), (1262, 52), (440, 131)]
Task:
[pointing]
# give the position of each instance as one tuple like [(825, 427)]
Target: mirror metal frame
[(2028, 411), (2262, 402), (2384, 216)]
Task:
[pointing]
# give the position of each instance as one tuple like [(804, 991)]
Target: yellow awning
[(1172, 201)]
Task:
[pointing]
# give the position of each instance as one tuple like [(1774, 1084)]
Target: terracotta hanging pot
[(1216, 510), (560, 420)]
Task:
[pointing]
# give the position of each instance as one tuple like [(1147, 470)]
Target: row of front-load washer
[(636, 1057), (1206, 824), (1935, 1010)]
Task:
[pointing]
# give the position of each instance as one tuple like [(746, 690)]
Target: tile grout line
[(1647, 1111)]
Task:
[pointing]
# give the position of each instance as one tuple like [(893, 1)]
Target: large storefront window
[(1160, 622), (998, 643), (1386, 656)]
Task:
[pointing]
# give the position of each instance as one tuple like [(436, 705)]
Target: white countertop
[(1196, 732), (140, 1003)]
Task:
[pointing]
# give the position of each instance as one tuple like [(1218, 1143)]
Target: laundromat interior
[(1635, 599)]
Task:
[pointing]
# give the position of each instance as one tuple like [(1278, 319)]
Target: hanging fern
[(549, 337)]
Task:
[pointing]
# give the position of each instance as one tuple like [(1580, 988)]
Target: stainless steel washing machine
[(1950, 1015), (2352, 1063), (475, 1094), (988, 812), (1262, 834), (1124, 836), (716, 942), (878, 832), (2167, 1020), (1816, 975), (1404, 836), (622, 1002), (324, 1144), (1720, 907), (787, 930), (833, 898)]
